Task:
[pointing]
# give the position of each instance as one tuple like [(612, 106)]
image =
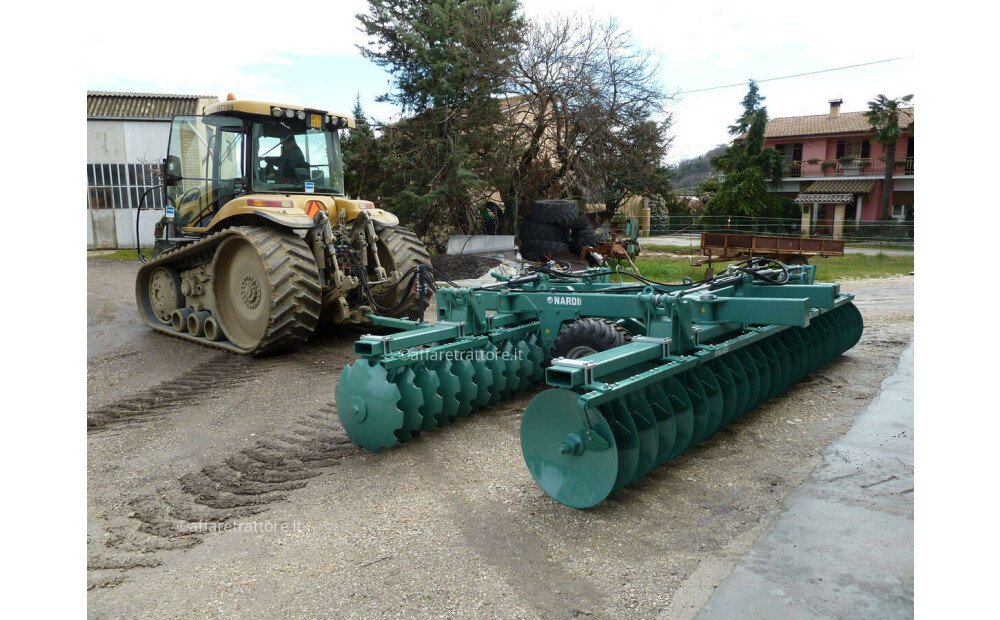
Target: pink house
[(836, 172)]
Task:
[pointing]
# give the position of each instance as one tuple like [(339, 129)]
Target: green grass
[(120, 255), (882, 246), (827, 269), (671, 249)]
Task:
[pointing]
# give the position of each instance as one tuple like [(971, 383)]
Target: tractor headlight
[(301, 115), (290, 113), (276, 112)]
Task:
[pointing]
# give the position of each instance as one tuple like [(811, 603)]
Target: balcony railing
[(861, 167)]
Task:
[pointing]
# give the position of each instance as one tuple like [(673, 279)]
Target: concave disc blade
[(410, 402), (368, 405), (740, 383), (699, 403), (728, 386), (450, 390), (483, 378), (468, 390), (492, 359), (649, 435), (659, 402), (552, 426), (428, 382), (763, 369), (776, 352), (527, 370), (537, 357), (626, 439), (680, 402), (713, 393), (753, 378)]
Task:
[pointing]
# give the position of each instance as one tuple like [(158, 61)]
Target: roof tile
[(846, 122), (102, 104)]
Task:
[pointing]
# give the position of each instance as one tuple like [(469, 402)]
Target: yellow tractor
[(259, 241)]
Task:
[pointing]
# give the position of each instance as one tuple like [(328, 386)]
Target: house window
[(899, 212), (791, 151), (857, 149), (120, 186)]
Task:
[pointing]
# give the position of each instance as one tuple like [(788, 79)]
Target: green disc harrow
[(699, 356)]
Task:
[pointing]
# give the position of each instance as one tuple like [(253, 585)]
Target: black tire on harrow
[(539, 250), (560, 212), (590, 335), (536, 231)]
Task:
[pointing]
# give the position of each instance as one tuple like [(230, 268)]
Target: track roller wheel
[(267, 289)]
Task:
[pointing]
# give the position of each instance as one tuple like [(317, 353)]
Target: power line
[(786, 77)]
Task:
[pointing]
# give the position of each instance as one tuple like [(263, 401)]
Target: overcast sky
[(283, 52)]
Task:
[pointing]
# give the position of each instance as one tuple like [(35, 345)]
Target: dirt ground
[(225, 486)]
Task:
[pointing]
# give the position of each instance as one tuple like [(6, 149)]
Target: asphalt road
[(220, 485)]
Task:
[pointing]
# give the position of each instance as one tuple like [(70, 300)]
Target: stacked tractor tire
[(555, 227)]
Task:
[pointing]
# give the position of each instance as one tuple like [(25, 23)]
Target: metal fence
[(685, 224)]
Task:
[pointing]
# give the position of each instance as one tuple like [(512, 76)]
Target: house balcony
[(859, 167)]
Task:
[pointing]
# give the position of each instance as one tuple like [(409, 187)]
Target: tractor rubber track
[(179, 515), (192, 386), (292, 275)]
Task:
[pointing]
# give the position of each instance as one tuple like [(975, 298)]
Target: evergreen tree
[(450, 61), (361, 158), (747, 165)]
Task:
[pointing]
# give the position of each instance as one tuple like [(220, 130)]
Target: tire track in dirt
[(204, 381), (179, 515)]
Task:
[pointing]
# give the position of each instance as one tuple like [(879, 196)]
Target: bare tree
[(581, 94)]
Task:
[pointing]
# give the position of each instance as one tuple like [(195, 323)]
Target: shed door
[(100, 205)]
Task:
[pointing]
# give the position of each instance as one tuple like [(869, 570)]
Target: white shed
[(127, 137)]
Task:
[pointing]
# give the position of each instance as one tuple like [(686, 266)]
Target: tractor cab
[(240, 148)]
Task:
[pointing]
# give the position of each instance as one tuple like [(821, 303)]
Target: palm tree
[(883, 114)]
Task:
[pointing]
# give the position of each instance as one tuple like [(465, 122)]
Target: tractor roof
[(263, 108)]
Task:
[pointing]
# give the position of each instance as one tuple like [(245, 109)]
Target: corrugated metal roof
[(143, 105), (846, 122), (841, 186)]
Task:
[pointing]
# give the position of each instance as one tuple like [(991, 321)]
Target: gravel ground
[(301, 523), (463, 266)]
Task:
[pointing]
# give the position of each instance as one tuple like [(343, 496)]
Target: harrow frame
[(701, 355)]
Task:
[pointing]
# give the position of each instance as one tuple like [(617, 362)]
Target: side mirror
[(171, 170)]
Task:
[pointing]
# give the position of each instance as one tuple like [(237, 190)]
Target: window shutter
[(840, 149)]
